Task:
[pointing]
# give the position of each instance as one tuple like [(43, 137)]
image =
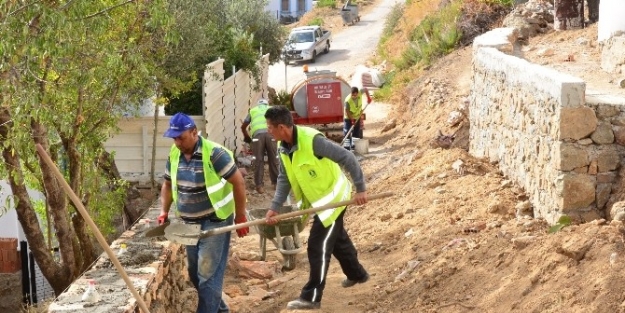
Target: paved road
[(349, 48)]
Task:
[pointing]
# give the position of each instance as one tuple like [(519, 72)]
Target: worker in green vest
[(352, 115), (262, 143), (204, 183), (310, 167)]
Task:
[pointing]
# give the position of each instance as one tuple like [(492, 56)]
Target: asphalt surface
[(349, 48)]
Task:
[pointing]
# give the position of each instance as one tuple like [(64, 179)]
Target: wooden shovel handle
[(260, 221)]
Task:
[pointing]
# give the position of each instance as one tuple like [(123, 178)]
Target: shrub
[(282, 97), (316, 21)]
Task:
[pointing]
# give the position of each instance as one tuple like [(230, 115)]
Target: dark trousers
[(265, 144), (357, 132), (323, 243)]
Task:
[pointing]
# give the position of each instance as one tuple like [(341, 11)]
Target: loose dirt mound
[(454, 237)]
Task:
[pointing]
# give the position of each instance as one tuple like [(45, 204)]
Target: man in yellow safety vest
[(309, 166), (262, 143), (204, 183)]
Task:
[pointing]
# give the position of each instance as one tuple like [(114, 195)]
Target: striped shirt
[(193, 202)]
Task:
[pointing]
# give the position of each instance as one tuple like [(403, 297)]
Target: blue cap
[(178, 124)]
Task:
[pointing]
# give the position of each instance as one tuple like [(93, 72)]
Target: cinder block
[(8, 243)]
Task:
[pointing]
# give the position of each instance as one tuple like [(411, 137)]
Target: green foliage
[(234, 30), (436, 36), (563, 221), (316, 21), (506, 3), (326, 4), (385, 93), (392, 20), (282, 97), (70, 70)]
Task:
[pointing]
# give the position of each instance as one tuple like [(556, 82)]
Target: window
[(285, 5)]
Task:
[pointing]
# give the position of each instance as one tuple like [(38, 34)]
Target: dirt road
[(349, 48)]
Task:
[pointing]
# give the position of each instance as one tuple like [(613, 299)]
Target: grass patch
[(316, 21), (327, 4), (436, 36), (392, 20)]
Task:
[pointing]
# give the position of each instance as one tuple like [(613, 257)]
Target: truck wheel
[(327, 49), (314, 56)]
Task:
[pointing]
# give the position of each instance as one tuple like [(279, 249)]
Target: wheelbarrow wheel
[(263, 248), (289, 259)]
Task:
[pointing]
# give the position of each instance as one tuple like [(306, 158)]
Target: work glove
[(163, 218), (368, 98), (353, 121), (241, 231), (247, 139)]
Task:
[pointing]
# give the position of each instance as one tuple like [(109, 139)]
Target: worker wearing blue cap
[(202, 179)]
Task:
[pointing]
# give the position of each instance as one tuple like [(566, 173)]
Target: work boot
[(346, 283), (301, 304), (260, 189)]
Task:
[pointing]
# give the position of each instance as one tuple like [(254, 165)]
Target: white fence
[(226, 103)]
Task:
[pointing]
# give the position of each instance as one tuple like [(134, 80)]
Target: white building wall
[(611, 19)]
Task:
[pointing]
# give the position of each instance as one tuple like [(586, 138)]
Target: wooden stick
[(221, 230), (94, 228)]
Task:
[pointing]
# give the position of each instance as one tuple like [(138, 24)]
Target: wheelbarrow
[(349, 13), (284, 235)]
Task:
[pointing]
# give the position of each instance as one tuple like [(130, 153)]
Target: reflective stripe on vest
[(315, 182), (218, 189), (257, 117), (355, 106)]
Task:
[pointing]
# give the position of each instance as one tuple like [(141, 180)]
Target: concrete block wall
[(156, 268), (538, 125)]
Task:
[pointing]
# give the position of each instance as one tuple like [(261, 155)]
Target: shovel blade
[(185, 234), (157, 231)]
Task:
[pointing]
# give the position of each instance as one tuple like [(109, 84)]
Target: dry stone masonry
[(564, 148)]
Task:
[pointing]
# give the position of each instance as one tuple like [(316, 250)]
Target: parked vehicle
[(306, 43)]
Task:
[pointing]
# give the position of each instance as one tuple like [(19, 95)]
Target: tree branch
[(109, 9)]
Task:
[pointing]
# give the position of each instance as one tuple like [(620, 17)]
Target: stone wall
[(11, 292), (538, 125), (157, 269)]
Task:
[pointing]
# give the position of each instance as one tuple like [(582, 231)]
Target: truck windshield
[(301, 37)]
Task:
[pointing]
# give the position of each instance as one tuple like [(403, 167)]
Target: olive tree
[(69, 70)]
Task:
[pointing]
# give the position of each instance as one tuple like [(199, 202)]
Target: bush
[(316, 21), (282, 97)]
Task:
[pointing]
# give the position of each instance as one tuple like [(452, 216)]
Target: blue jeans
[(207, 266)]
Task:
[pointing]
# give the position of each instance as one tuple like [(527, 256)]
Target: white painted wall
[(611, 19), (9, 225)]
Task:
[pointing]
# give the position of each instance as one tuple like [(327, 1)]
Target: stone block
[(575, 191), (592, 168), (573, 92), (606, 111), (619, 134), (607, 160), (608, 177), (571, 157), (603, 194), (603, 134), (577, 123)]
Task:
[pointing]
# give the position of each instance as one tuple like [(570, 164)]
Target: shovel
[(351, 129), (190, 234)]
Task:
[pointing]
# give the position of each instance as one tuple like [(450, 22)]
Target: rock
[(619, 134), (233, 291), (390, 125), (572, 157), (523, 241), (506, 183), (607, 160), (455, 117), (256, 269), (582, 41), (617, 211), (575, 249), (577, 122), (603, 134), (545, 52), (603, 194), (576, 191), (495, 206), (385, 217), (409, 233), (399, 215)]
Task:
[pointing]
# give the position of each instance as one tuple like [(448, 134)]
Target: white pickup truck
[(306, 43)]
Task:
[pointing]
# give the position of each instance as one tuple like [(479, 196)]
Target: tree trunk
[(107, 164), (59, 275), (569, 14), (593, 11)]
